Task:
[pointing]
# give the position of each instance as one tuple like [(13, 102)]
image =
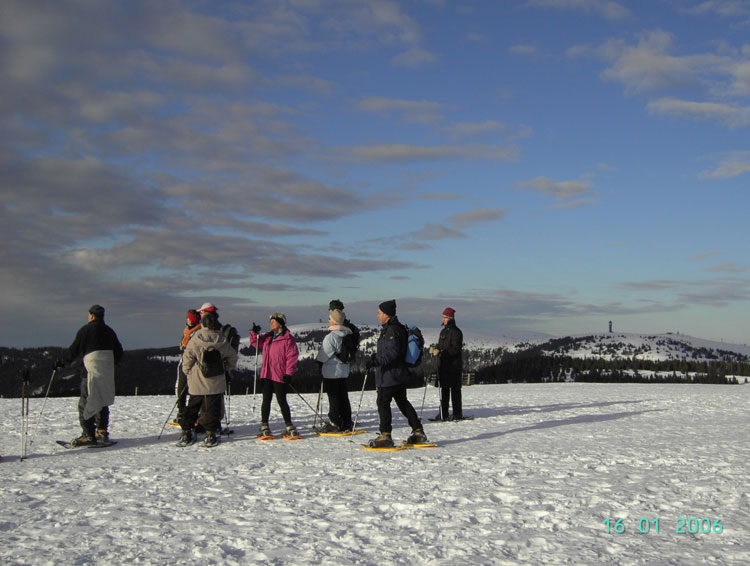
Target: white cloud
[(560, 190), (474, 217), (734, 165), (730, 114), (414, 57), (406, 152), (423, 111), (607, 9)]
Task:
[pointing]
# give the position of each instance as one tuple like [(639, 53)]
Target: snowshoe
[(291, 433), (187, 439), (329, 427), (83, 440), (383, 440), (417, 437), (265, 433)]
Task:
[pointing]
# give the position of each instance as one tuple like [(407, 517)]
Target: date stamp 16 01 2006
[(679, 525)]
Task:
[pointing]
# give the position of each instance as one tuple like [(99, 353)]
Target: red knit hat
[(449, 313), (193, 317)]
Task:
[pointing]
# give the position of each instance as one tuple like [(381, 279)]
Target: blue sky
[(538, 165)]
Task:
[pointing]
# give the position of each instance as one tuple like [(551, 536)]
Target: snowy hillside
[(530, 481), (654, 347), (606, 346)]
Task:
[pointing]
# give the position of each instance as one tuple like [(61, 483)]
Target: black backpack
[(211, 363), (231, 335), (349, 344)]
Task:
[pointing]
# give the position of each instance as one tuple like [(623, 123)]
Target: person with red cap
[(450, 366), (192, 325)]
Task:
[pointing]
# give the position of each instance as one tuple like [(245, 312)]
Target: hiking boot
[(329, 427), (102, 435), (417, 437), (291, 431), (83, 440), (211, 439), (187, 439), (264, 430), (383, 440)]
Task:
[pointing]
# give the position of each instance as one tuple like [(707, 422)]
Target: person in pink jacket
[(280, 356)]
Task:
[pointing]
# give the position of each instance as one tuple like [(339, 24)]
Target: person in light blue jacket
[(335, 373)]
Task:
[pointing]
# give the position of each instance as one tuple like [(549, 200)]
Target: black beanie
[(388, 307)]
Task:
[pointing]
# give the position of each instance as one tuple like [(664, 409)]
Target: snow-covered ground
[(530, 480)]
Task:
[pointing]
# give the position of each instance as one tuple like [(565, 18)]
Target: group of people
[(207, 357)]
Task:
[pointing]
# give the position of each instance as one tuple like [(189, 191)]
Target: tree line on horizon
[(152, 372)]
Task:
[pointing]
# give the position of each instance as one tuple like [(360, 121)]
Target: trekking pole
[(317, 406), (440, 394), (361, 395), (229, 403), (31, 440), (24, 414), (170, 412), (255, 374), (305, 400), (424, 395)]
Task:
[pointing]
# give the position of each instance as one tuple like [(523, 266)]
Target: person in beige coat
[(206, 360)]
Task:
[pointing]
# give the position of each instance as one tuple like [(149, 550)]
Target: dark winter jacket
[(391, 350), (450, 363), (93, 337)]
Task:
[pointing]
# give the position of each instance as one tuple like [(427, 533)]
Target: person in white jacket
[(335, 374)]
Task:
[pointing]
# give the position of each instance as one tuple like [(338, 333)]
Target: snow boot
[(383, 440), (264, 430), (102, 434), (83, 440), (417, 437), (329, 427), (291, 431), (211, 439), (187, 439)]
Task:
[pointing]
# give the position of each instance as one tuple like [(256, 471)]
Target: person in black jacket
[(450, 366), (97, 343), (391, 376)]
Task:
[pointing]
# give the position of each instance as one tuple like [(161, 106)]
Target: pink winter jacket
[(280, 355)]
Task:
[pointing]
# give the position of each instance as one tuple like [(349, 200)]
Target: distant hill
[(529, 357)]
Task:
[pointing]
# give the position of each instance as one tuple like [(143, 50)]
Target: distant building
[(610, 326)]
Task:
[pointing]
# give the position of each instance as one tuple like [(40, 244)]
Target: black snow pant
[(99, 421), (270, 388), (182, 391), (395, 393), (339, 408), (450, 394), (209, 407)]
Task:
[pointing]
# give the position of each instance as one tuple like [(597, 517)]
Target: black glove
[(59, 363), (372, 362), (256, 328), (287, 378)]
